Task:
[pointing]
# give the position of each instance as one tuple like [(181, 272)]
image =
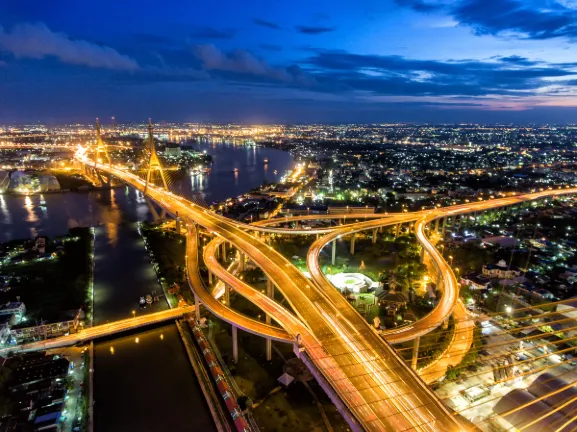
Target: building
[(13, 308), (68, 322), (500, 270), (172, 151), (475, 281), (392, 299)]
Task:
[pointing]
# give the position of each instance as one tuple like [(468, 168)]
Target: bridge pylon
[(153, 161), (100, 149), (100, 152)]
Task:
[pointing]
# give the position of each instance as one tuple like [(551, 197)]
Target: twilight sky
[(289, 61)]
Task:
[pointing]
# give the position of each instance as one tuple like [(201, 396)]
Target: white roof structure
[(285, 379)]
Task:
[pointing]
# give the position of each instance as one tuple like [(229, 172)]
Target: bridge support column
[(227, 294), (197, 307), (444, 226), (240, 261), (374, 235), (334, 250), (270, 294), (437, 225), (460, 222), (224, 251), (397, 230), (353, 244), (209, 277), (415, 357), (177, 225), (153, 212), (234, 344)]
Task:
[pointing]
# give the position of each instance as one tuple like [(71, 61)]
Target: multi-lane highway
[(370, 378), (375, 384)]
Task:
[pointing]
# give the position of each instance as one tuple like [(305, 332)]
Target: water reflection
[(7, 218), (29, 206), (61, 211)]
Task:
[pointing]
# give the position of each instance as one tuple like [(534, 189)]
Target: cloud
[(37, 41), (313, 30), (498, 16), (242, 65), (213, 33), (517, 60), (267, 24), (340, 71), (419, 5), (527, 19)]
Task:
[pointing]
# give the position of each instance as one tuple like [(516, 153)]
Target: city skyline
[(397, 61)]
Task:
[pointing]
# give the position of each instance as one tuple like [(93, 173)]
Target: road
[(371, 379), (98, 331), (220, 309)]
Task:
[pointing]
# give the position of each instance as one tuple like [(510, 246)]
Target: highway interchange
[(375, 384)]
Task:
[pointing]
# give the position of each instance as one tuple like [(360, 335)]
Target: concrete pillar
[(334, 248), (444, 226), (197, 307), (209, 277), (415, 357), (270, 288), (437, 225), (270, 294), (224, 251), (177, 225), (268, 349), (374, 235), (397, 229), (353, 237), (234, 344), (240, 261), (227, 293)]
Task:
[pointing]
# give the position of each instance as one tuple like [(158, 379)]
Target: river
[(144, 384)]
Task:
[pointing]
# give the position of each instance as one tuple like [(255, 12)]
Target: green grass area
[(291, 408), (167, 249), (50, 287)]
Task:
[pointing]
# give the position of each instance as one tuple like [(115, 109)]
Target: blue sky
[(334, 61)]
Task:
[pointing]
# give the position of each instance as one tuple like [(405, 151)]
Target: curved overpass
[(450, 292), (269, 223), (369, 377), (221, 310)]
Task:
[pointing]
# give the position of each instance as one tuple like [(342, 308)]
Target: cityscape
[(327, 217)]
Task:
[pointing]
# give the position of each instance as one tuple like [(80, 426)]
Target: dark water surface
[(147, 386)]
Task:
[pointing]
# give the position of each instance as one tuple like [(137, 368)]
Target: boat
[(265, 160), (235, 170), (142, 301), (275, 172)]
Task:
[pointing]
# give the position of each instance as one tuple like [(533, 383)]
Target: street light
[(508, 309), (133, 313), (451, 258)]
